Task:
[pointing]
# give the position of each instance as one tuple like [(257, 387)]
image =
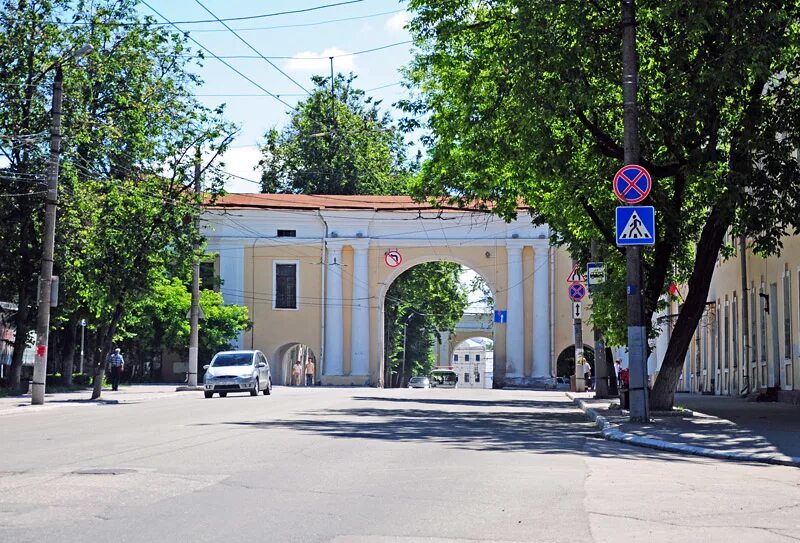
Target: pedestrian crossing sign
[(636, 225)]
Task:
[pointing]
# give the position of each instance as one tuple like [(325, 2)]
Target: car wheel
[(208, 393), (223, 394), (268, 390), (254, 391)]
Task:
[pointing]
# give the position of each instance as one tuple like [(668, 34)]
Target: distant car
[(419, 382), (237, 371)]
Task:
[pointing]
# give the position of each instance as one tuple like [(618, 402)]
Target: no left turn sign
[(393, 258)]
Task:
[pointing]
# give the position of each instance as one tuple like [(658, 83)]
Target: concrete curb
[(612, 433), (186, 388)]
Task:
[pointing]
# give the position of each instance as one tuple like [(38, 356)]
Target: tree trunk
[(103, 349), (20, 342), (69, 334), (663, 394)]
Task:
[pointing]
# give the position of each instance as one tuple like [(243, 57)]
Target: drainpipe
[(552, 274), (745, 313), (322, 295)]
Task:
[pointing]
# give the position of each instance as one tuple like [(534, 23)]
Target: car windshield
[(233, 359), (417, 379)]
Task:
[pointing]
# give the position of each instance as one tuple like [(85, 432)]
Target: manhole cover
[(103, 471)]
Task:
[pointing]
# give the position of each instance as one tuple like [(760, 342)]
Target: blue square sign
[(636, 225), (500, 316)]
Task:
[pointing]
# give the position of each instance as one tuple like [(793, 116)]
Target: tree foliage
[(131, 129), (524, 100), (337, 142)]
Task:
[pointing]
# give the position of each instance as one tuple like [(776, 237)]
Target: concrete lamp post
[(51, 203)]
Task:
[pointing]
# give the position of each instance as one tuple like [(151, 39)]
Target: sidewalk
[(719, 427), (125, 394)]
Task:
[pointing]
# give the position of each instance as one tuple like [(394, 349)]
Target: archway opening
[(292, 363), (565, 364), (428, 309)]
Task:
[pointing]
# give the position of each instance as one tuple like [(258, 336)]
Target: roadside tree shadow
[(537, 426)]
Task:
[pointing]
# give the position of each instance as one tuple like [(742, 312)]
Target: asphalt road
[(363, 465)]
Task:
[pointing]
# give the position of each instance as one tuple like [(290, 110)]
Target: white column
[(515, 324), (334, 327), (231, 271), (541, 311), (359, 324)]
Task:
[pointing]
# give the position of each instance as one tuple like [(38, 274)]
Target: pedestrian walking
[(617, 367), (117, 364), (310, 372), (296, 371)]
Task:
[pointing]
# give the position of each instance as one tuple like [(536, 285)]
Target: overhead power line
[(249, 46), (354, 53), (229, 65), (202, 21), (300, 25), (257, 95)]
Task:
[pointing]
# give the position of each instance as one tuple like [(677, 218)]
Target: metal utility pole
[(600, 364), (577, 327), (194, 313), (49, 235), (637, 332)]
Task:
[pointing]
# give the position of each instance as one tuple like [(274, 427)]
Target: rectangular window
[(466, 377), (285, 285), (207, 279), (477, 375), (477, 358), (455, 358), (287, 233), (787, 318), (727, 337), (466, 358)]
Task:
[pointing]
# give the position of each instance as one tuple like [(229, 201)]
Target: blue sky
[(371, 24)]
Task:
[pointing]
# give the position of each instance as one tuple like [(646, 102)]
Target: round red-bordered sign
[(393, 258), (632, 184), (576, 292)]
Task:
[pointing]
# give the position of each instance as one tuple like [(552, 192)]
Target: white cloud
[(319, 62), (397, 22)]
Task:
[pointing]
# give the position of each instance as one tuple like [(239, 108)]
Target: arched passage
[(565, 364), (429, 349), (286, 357), (472, 359)]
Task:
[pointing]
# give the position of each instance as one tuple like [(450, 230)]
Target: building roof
[(338, 201)]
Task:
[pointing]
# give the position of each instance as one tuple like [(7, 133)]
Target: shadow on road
[(505, 425)]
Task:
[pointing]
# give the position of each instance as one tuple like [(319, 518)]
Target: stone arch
[(565, 363), (409, 263), (283, 358)]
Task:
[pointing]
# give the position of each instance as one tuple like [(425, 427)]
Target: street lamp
[(51, 202), (405, 334), (83, 331)]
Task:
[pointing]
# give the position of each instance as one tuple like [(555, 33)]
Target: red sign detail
[(393, 258), (41, 350), (632, 184)]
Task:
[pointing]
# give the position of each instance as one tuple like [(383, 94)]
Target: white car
[(237, 371), (419, 382)]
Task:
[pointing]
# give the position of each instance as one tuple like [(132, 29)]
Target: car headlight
[(209, 377)]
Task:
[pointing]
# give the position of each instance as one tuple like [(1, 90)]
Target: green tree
[(420, 303), (337, 142), (523, 100), (158, 322), (132, 127)]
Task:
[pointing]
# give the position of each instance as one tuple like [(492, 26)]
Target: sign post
[(637, 335)]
